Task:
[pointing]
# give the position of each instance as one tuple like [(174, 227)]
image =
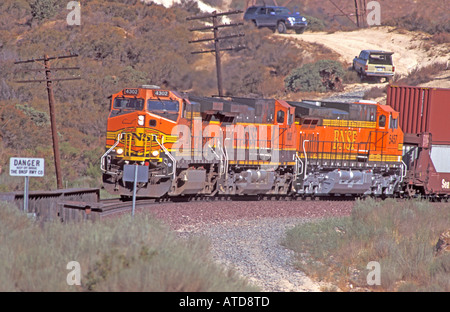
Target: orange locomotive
[(349, 148), (239, 146)]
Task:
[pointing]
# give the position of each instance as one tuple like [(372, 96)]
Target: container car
[(424, 118)]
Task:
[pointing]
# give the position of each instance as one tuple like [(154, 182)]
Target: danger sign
[(31, 167)]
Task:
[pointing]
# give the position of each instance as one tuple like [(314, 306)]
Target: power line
[(215, 28)]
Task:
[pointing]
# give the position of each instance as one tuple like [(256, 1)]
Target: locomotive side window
[(393, 123), (371, 111), (290, 118), (382, 121), (280, 116)]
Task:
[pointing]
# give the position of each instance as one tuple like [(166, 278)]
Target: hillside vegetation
[(401, 237), (120, 44), (130, 43), (121, 254)]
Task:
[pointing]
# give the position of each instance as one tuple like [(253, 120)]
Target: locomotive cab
[(140, 121), (139, 131), (391, 139)]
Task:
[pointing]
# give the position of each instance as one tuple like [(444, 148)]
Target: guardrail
[(46, 205)]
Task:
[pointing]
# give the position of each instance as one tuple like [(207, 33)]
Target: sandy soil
[(411, 49)]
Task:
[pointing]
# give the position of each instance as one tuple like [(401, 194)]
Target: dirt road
[(411, 49)]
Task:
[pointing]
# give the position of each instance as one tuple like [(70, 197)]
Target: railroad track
[(69, 210), (81, 204)]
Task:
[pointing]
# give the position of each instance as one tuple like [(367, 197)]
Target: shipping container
[(424, 117), (422, 110)]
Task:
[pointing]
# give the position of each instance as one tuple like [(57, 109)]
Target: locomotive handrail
[(210, 147), (222, 160), (404, 170), (306, 158), (174, 161), (225, 153), (119, 137), (297, 162)]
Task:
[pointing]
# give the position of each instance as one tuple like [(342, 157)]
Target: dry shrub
[(422, 74), (122, 254), (351, 76), (401, 237), (440, 38), (375, 92)]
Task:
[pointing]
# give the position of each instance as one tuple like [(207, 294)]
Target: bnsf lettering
[(343, 139), (142, 136), (445, 184)]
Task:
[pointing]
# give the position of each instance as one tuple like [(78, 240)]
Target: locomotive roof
[(318, 105)]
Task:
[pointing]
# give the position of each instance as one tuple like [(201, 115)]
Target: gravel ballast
[(246, 236)]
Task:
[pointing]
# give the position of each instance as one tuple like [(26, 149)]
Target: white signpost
[(135, 174), (26, 167)]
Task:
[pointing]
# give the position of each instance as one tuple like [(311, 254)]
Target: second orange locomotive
[(241, 146)]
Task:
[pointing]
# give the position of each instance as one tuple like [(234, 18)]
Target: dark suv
[(276, 17)]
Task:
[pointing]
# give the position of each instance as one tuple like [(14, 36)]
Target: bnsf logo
[(142, 136), (445, 184)]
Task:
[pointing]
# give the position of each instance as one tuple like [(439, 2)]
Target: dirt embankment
[(411, 49)]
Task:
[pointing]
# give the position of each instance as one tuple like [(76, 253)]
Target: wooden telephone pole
[(360, 12), (51, 101), (215, 28)]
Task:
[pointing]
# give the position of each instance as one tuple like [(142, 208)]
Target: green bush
[(314, 24), (321, 76), (44, 9)]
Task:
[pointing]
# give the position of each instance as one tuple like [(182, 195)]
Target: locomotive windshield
[(128, 103), (164, 108), (124, 105)]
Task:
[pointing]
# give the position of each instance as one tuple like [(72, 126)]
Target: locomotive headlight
[(119, 151), (155, 153), (141, 120)]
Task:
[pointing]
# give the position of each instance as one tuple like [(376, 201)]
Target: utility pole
[(215, 28), (363, 12), (51, 102), (357, 13), (343, 13)]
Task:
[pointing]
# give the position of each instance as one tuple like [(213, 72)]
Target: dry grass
[(442, 37), (400, 236), (123, 254), (422, 74), (374, 93)]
